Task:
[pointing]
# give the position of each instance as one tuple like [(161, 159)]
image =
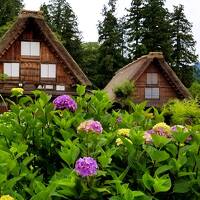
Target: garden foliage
[(94, 152)]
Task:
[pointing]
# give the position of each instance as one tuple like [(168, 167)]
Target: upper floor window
[(30, 48), (11, 69), (48, 71), (152, 78)]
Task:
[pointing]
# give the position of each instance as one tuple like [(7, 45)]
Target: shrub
[(49, 153)]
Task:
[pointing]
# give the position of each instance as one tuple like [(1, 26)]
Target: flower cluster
[(17, 91), (90, 126), (6, 197), (162, 129), (123, 132), (65, 102), (182, 128), (86, 166)]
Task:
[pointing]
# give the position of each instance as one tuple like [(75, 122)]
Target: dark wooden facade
[(156, 92), (30, 27)]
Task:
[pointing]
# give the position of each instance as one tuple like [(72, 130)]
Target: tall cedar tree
[(110, 38), (157, 28), (90, 61), (62, 20), (183, 56), (9, 9), (134, 29)]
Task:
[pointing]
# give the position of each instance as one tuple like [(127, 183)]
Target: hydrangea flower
[(119, 120), (90, 126), (124, 132), (6, 197), (65, 102), (119, 141), (147, 136), (162, 129), (182, 128), (86, 166), (17, 91)]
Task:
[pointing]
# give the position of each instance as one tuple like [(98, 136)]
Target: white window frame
[(30, 48), (11, 69), (48, 71), (60, 87), (152, 78), (152, 93)]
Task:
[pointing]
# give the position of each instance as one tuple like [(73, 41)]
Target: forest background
[(146, 26)]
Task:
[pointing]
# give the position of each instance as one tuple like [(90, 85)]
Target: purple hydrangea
[(65, 102), (119, 120), (90, 126), (86, 166)]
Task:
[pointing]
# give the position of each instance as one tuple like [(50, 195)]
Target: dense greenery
[(110, 38), (9, 9), (183, 56), (61, 18), (39, 148)]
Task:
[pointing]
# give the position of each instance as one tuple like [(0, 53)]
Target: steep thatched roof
[(134, 70), (19, 26)]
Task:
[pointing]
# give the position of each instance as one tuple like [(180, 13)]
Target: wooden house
[(33, 58), (154, 80)]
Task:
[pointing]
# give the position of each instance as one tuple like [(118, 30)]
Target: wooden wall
[(166, 90), (30, 65)]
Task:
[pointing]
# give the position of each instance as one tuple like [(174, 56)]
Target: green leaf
[(69, 152), (162, 184), (160, 141), (148, 180), (80, 90), (156, 155), (181, 186), (162, 169)]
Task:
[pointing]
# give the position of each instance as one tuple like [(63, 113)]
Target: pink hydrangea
[(90, 126)]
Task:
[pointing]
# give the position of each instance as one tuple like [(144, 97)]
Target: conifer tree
[(157, 28), (61, 18), (183, 56), (134, 29), (9, 9), (110, 38)]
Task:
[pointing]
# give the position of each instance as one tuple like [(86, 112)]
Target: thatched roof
[(134, 70), (19, 26)]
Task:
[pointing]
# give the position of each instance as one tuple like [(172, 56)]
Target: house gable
[(153, 64), (31, 30)]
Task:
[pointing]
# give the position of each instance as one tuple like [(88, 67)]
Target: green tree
[(157, 28), (90, 61), (183, 56), (9, 9), (110, 38), (62, 20), (134, 29)]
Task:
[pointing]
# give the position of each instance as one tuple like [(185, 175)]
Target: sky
[(88, 13)]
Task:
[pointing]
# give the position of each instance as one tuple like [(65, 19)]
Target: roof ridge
[(31, 13), (133, 62)]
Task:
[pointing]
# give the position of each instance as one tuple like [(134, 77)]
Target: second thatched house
[(154, 80)]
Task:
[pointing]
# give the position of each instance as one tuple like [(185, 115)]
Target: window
[(30, 48), (11, 69), (60, 87), (152, 93), (49, 87), (48, 71), (152, 78)]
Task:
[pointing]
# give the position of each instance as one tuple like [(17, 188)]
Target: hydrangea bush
[(82, 149)]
